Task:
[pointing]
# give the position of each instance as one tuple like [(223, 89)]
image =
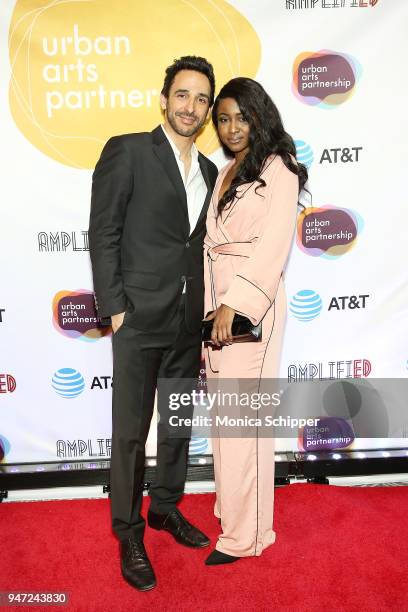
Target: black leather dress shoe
[(179, 527), (136, 567)]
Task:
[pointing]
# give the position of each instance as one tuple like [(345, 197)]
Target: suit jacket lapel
[(164, 152), (203, 212)]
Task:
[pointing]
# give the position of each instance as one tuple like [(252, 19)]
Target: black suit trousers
[(139, 359)]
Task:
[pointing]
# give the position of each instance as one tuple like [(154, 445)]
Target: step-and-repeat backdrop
[(75, 72)]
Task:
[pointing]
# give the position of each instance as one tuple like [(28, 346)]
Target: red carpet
[(337, 548)]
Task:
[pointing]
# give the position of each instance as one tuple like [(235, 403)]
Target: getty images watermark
[(350, 407), (223, 401)]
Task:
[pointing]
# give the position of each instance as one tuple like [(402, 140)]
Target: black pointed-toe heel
[(219, 558)]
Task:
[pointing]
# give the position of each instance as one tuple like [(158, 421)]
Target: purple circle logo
[(330, 433), (75, 316), (325, 78), (328, 231)]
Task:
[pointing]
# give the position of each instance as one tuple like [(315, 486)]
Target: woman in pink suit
[(250, 226)]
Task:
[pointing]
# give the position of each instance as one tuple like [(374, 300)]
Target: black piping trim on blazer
[(237, 198), (256, 287), (236, 255), (213, 297), (214, 303), (257, 437)]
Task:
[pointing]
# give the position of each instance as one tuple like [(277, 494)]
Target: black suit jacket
[(142, 248)]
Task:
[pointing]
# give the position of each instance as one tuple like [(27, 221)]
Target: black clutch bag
[(242, 330)]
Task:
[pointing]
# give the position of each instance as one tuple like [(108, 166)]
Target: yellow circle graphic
[(85, 70)]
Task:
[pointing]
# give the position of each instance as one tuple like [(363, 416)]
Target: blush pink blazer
[(245, 250)]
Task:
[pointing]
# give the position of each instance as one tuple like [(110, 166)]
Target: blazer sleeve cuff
[(111, 307), (247, 299)]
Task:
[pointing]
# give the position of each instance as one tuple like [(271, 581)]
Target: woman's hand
[(221, 331)]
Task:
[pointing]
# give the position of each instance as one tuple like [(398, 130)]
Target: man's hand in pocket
[(117, 321)]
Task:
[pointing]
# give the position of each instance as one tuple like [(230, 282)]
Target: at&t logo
[(350, 302), (306, 305), (4, 447), (304, 153), (342, 155), (68, 382), (198, 446)]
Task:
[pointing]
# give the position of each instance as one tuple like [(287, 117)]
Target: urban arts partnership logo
[(70, 64), (74, 315), (324, 78), (327, 231), (330, 433), (68, 383)]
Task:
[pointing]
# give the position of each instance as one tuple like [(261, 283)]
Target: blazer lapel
[(203, 212), (164, 152)]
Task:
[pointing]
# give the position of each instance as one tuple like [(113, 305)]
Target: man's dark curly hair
[(189, 62)]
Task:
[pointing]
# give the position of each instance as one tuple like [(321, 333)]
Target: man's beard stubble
[(187, 131)]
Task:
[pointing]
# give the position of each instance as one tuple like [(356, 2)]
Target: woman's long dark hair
[(266, 137)]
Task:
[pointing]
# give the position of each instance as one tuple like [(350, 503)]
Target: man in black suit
[(150, 196)]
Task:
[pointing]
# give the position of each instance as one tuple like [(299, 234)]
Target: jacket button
[(187, 245), (183, 279)]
